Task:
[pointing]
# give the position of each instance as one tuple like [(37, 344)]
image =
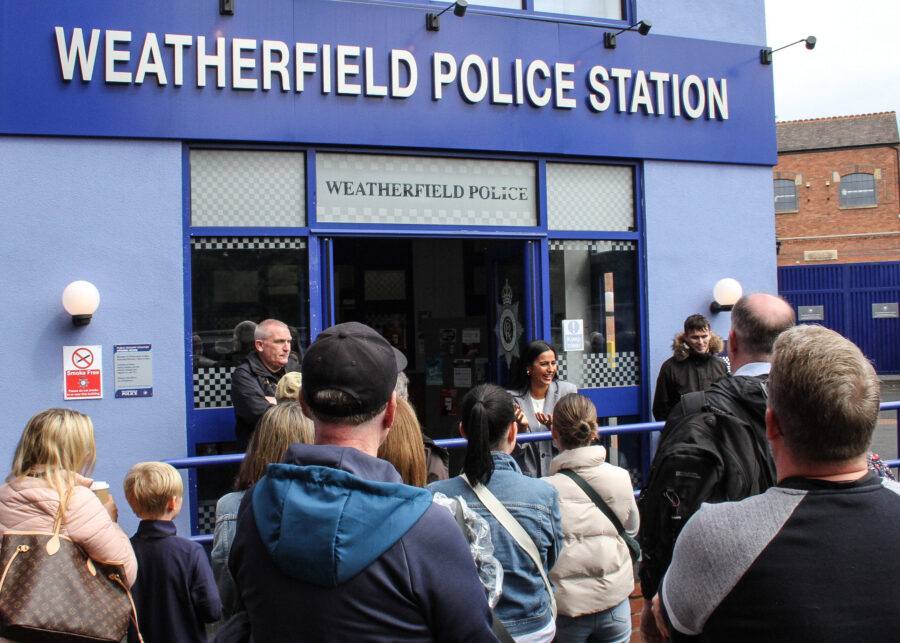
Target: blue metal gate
[(846, 293)]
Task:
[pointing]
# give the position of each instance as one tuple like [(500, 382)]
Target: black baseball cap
[(354, 359)]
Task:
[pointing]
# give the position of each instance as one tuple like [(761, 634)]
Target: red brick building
[(837, 198)]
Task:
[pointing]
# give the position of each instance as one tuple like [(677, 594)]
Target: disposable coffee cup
[(101, 489)]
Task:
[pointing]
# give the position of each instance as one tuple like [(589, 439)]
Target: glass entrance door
[(459, 309)]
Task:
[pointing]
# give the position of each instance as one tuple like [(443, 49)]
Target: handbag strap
[(593, 495), (53, 546), (511, 525)]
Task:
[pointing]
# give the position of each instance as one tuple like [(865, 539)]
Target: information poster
[(462, 373), (82, 373), (133, 364), (573, 334)]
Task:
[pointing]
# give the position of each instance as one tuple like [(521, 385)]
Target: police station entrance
[(458, 308)]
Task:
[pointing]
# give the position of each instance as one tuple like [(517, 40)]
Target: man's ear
[(258, 344), (773, 429), (462, 431), (390, 411), (305, 407)]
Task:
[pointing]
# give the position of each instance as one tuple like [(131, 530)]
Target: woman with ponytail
[(488, 422), (593, 576)]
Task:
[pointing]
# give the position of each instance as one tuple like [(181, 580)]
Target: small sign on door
[(573, 335)]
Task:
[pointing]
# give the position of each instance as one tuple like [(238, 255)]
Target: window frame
[(785, 180), (850, 176)]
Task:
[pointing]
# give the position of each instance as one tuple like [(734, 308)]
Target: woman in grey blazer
[(536, 390)]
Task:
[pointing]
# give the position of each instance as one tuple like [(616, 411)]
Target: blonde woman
[(54, 456), (403, 446), (278, 428), (593, 576)]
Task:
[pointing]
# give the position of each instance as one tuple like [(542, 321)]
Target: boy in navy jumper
[(175, 592)]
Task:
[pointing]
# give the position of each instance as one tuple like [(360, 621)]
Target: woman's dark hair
[(575, 421), (485, 413), (521, 380)]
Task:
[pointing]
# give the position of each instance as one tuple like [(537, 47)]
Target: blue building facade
[(462, 190)]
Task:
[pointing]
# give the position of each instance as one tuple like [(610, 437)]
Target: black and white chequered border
[(206, 517), (570, 245), (248, 243), (599, 370), (212, 387)]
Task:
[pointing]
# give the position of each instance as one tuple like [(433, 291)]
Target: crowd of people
[(333, 533)]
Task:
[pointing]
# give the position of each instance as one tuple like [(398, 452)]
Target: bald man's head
[(757, 320)]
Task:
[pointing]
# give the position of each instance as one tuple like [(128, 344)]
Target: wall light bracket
[(765, 54), (642, 27), (433, 20)]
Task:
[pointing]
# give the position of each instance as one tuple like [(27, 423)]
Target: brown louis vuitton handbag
[(50, 590)]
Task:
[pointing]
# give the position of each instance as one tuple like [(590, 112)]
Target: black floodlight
[(643, 28), (765, 54), (433, 20)]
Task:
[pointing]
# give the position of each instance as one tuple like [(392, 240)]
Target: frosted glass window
[(243, 188), (590, 8), (590, 197), (423, 190)]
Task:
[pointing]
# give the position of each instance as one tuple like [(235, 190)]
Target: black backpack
[(709, 455)]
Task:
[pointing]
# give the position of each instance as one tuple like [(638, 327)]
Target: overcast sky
[(855, 67)]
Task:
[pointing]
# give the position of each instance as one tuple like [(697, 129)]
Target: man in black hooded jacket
[(694, 365)]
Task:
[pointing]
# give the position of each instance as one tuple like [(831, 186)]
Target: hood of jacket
[(338, 508), (742, 395), (682, 351)]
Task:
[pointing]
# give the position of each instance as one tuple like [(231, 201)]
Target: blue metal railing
[(459, 443)]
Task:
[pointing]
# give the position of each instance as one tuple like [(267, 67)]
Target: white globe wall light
[(726, 292), (80, 299)]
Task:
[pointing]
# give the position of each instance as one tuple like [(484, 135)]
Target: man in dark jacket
[(254, 380), (756, 321), (694, 365), (330, 545)]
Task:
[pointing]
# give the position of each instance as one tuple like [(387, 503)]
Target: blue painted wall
[(108, 212), (704, 222), (738, 21)]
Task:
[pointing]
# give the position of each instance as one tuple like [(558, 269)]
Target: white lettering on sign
[(352, 70)]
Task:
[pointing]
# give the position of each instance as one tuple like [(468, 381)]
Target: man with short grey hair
[(816, 557), (254, 380)]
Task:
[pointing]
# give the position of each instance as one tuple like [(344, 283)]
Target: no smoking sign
[(82, 373)]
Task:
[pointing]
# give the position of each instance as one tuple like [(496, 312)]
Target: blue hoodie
[(330, 545)]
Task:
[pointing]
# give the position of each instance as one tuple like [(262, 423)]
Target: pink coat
[(28, 504)]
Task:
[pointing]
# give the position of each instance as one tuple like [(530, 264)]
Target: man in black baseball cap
[(349, 374), (331, 533)]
